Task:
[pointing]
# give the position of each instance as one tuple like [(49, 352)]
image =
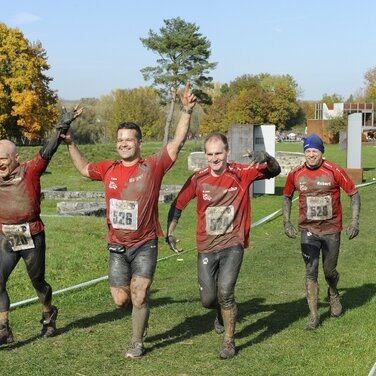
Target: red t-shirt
[(320, 209), (223, 205), (20, 195), (132, 197)]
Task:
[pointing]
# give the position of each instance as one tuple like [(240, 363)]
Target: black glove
[(171, 241), (257, 157), (66, 118), (62, 126)]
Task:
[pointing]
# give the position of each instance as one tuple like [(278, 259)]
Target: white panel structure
[(264, 139), (354, 141), (252, 137)]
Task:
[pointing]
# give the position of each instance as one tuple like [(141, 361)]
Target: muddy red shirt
[(320, 209), (132, 197), (223, 205), (20, 195)]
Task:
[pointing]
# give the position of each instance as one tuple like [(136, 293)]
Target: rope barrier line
[(93, 281), (373, 370)]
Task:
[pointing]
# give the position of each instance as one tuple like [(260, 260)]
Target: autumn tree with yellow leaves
[(27, 104)]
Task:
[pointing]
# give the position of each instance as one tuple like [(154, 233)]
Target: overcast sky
[(94, 47)]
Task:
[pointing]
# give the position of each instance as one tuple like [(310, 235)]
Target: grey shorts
[(140, 262)]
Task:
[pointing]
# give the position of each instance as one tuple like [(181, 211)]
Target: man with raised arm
[(132, 186), (21, 228)]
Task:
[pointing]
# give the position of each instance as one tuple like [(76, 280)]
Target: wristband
[(187, 110)]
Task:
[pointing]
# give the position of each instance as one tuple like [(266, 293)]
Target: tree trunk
[(169, 119)]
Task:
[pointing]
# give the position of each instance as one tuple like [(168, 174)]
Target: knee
[(120, 296), (139, 300), (331, 274), (209, 301), (226, 299), (139, 295)]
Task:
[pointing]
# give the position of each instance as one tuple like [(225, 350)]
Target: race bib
[(319, 208), (219, 220), (19, 236), (123, 214)]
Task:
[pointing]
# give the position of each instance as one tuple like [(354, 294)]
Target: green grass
[(271, 339)]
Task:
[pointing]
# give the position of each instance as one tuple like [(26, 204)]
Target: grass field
[(271, 339)]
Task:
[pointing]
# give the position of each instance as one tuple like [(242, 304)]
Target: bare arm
[(290, 230), (188, 101), (78, 159)]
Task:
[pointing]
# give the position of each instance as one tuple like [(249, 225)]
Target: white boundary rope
[(373, 369), (93, 281)]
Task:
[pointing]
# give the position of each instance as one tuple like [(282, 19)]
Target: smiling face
[(128, 146), (216, 154), (8, 158), (313, 157)]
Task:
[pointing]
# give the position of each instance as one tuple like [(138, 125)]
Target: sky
[(94, 47)]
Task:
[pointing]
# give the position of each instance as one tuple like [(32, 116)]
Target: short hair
[(130, 125), (217, 136)]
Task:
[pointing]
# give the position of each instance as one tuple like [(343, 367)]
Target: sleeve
[(163, 160), (37, 164), (97, 170), (289, 188), (345, 182), (252, 174), (186, 194)]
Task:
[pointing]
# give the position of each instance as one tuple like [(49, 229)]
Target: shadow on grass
[(277, 318), (88, 321)]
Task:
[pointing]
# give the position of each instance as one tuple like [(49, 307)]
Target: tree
[(140, 105), (183, 56), (333, 98), (27, 104), (261, 99), (370, 80), (89, 127)]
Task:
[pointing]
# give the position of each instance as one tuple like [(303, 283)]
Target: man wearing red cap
[(319, 184)]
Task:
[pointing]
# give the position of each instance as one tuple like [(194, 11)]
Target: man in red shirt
[(319, 184), (21, 228), (132, 187), (224, 219)]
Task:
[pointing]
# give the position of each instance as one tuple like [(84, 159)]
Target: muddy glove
[(290, 230), (66, 118), (257, 157), (171, 241), (353, 229)]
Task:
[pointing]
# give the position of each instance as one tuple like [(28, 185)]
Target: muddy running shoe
[(228, 349), (49, 322), (6, 335), (335, 303), (218, 326), (135, 350), (313, 323)]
